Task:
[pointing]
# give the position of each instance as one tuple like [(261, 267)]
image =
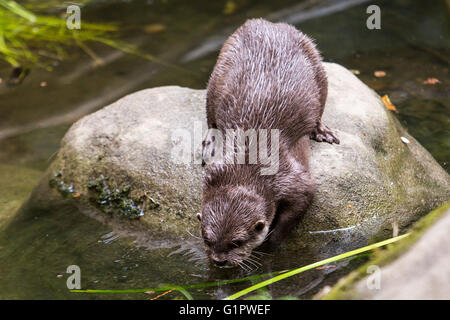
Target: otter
[(267, 76)]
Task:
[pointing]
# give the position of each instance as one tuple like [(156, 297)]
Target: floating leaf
[(431, 81), (230, 7), (154, 28)]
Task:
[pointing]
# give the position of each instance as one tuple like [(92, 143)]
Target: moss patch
[(66, 190), (114, 199), (104, 194)]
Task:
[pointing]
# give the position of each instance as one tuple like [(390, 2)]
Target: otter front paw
[(323, 133)]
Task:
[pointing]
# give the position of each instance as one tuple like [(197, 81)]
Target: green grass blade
[(194, 286), (313, 265), (184, 292), (17, 9)]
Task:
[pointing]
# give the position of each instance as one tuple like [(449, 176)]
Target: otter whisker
[(259, 263), (254, 263), (244, 266), (267, 236), (255, 258), (262, 253), (251, 262), (197, 237), (249, 269)]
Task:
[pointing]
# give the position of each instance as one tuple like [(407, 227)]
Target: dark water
[(38, 245), (412, 46)]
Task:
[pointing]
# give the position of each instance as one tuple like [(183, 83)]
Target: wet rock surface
[(416, 267), (420, 273)]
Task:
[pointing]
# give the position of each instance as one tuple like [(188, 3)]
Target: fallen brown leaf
[(230, 7), (162, 294), (388, 103), (327, 266), (431, 81), (154, 28)]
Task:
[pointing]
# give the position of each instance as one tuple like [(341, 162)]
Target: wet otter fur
[(268, 76)]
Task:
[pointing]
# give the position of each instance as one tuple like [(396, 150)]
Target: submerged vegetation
[(28, 39), (275, 276)]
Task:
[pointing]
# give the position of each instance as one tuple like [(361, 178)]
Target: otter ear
[(199, 216), (259, 226)]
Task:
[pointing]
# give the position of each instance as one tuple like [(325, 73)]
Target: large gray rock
[(414, 268), (119, 160), (422, 272)]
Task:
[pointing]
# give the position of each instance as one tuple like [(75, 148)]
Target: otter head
[(233, 222)]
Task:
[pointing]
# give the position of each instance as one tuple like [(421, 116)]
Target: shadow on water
[(38, 244)]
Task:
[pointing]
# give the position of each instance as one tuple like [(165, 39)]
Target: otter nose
[(219, 263)]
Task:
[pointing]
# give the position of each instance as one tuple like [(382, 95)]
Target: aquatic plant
[(313, 265), (28, 39), (275, 276), (182, 289)]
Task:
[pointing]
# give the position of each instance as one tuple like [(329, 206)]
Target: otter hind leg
[(322, 133)]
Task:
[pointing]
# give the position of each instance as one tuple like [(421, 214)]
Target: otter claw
[(322, 133)]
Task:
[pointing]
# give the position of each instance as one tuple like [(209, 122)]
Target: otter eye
[(208, 242), (259, 226)]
